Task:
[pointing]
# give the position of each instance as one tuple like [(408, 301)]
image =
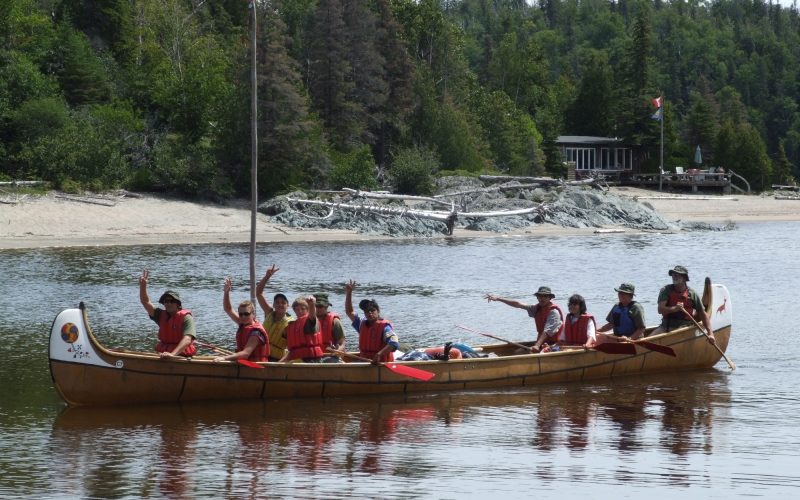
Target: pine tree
[(330, 76)]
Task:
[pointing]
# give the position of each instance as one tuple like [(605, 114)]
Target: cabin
[(614, 161), (608, 157)]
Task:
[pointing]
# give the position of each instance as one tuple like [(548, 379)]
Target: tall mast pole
[(661, 159), (253, 151)]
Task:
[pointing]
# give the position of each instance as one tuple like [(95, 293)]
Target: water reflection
[(159, 448)]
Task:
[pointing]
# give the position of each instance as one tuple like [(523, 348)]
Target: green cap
[(626, 288), (322, 299), (545, 290)]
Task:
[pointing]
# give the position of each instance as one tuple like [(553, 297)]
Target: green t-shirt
[(677, 320)]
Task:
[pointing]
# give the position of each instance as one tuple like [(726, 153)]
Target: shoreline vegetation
[(59, 220)]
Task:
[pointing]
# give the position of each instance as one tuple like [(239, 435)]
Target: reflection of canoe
[(86, 373)]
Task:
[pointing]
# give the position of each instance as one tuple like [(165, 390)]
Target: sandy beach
[(57, 221)]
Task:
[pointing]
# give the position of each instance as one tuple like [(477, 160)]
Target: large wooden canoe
[(86, 373)]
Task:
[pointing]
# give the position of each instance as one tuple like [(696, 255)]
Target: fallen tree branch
[(97, 201), (388, 196), (549, 181)]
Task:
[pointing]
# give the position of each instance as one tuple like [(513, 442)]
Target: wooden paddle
[(521, 346), (608, 348), (703, 330), (669, 351), (225, 352), (616, 348), (407, 371)]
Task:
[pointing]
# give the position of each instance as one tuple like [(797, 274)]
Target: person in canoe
[(548, 316), (677, 303), (579, 326), (276, 317), (376, 337), (176, 331), (626, 319), (330, 325), (303, 336), (251, 338)]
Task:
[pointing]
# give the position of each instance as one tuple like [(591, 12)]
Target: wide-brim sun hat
[(545, 290), (679, 270), (170, 293), (626, 288)]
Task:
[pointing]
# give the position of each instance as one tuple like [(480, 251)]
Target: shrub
[(413, 170), (355, 169)]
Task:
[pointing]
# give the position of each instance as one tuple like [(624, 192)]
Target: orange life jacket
[(261, 352), (676, 297), (300, 344), (326, 328), (541, 318), (575, 333), (170, 332), (370, 339)]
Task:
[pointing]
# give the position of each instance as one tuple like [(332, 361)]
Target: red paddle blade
[(616, 348), (657, 347), (410, 372), (249, 364)]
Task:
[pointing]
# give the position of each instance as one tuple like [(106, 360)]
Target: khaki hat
[(680, 270), (169, 293), (322, 299), (545, 290), (626, 288)]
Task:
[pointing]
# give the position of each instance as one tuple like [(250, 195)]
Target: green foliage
[(354, 169), (511, 134), (155, 93), (413, 170), (39, 117), (188, 170)]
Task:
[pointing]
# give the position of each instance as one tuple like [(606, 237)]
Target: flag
[(657, 102), (657, 115)]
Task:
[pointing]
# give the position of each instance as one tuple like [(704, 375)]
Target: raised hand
[(143, 277), (350, 286), (490, 298), (228, 285), (271, 271)]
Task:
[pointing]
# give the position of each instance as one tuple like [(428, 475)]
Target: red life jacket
[(170, 332), (261, 352), (326, 328), (303, 345), (370, 339), (674, 298), (541, 318), (575, 333)]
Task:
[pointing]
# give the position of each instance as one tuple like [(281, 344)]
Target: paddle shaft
[(527, 348), (213, 347), (406, 371), (703, 330)]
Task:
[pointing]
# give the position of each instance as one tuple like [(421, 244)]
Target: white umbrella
[(698, 156)]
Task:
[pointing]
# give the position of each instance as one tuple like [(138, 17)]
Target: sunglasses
[(170, 301), (370, 310), (244, 313)]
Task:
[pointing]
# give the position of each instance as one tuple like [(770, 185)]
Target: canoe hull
[(86, 373)]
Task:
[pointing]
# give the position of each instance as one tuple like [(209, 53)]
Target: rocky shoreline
[(580, 207)]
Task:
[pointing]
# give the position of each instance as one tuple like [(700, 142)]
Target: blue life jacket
[(623, 322)]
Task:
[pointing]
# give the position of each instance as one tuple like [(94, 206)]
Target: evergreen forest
[(155, 95)]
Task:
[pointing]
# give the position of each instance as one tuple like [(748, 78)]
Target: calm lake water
[(709, 434)]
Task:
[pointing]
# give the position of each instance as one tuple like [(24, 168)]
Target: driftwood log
[(448, 218)]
